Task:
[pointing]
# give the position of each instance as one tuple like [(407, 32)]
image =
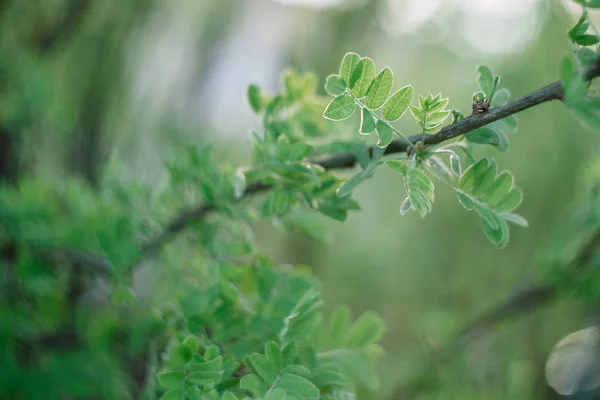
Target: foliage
[(216, 318), (475, 184)]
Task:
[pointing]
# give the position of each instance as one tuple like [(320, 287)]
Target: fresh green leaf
[(340, 108), (253, 384), (515, 219), (593, 4), (350, 184), (298, 387), (485, 80), (171, 379), (367, 329), (455, 164), (367, 123), (385, 133), (380, 89), (500, 98), (586, 40), (276, 394), (419, 189), (173, 394), (493, 197), (362, 76), (566, 72), (398, 103), (263, 367), (181, 354), (349, 62), (397, 166), (405, 206), (335, 85), (587, 56), (580, 27), (255, 98), (488, 136)]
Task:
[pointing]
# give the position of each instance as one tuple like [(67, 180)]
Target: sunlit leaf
[(340, 108), (485, 80), (335, 85), (367, 123), (385, 132), (397, 104), (362, 76), (380, 89), (349, 62)]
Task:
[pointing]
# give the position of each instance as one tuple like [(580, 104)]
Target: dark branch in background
[(520, 303)]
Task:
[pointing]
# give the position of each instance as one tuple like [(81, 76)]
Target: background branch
[(516, 305)]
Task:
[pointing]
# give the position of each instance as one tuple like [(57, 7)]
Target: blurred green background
[(83, 82)]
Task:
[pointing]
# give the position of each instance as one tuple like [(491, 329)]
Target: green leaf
[(397, 166), (297, 369), (367, 123), (298, 386), (173, 394), (279, 201), (338, 326), (202, 373), (498, 235), (593, 4), (580, 27), (500, 98), (263, 367), (362, 76), (398, 103), (171, 379), (492, 196), (515, 219), (340, 108), (566, 72), (253, 384), (229, 396), (419, 188), (273, 353), (385, 133), (465, 201), (586, 40), (335, 85), (193, 342), (455, 164), (350, 184), (405, 206), (587, 56), (367, 329), (276, 394), (488, 136), (380, 89), (181, 354), (194, 393), (255, 98), (485, 80), (349, 62), (299, 151)]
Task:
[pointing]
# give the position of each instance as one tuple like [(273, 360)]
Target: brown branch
[(348, 160)]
